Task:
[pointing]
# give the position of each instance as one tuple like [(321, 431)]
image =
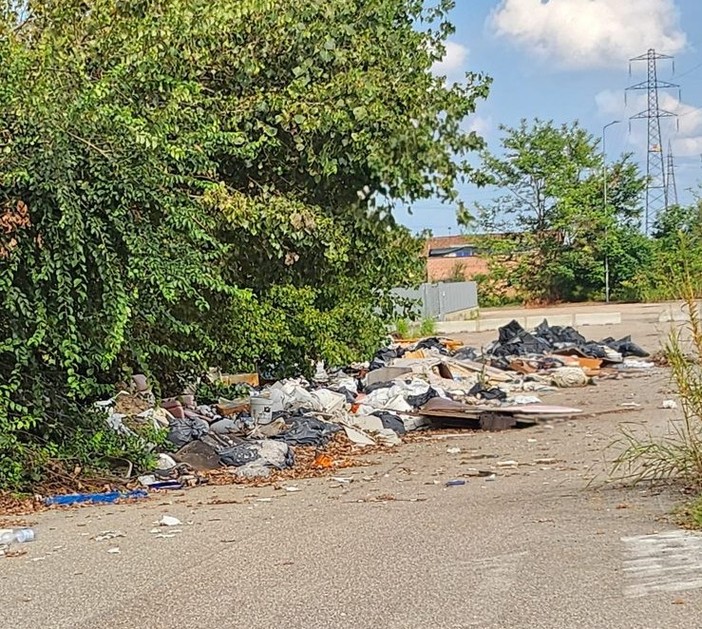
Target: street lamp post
[(604, 195)]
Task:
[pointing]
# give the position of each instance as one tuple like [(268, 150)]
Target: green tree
[(189, 183), (674, 267), (556, 232)]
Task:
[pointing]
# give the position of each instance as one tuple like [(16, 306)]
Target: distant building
[(453, 258)]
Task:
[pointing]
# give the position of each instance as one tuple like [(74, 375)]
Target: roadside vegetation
[(409, 329), (190, 184), (549, 238), (677, 455)]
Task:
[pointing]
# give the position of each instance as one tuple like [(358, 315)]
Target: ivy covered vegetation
[(194, 183)]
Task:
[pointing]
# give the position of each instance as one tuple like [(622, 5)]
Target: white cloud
[(685, 132), (482, 125), (580, 34), (453, 63)]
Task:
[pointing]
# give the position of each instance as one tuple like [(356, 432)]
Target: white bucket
[(261, 410)]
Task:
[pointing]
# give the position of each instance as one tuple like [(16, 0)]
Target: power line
[(656, 192), (690, 71)]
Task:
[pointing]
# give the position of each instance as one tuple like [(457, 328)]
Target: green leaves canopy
[(188, 183), (556, 229)]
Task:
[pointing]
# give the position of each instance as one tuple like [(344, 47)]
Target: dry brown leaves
[(131, 405), (339, 453), (12, 505)]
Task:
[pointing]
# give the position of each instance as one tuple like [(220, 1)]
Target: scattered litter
[(342, 479), (524, 400), (323, 461), (169, 520), (105, 535), (16, 536), (630, 405), (255, 469), (407, 386), (455, 483), (569, 377), (114, 551), (292, 489), (669, 405), (491, 477)]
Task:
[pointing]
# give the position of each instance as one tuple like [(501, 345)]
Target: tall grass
[(405, 329), (677, 455)]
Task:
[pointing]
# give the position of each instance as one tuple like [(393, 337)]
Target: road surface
[(540, 546)]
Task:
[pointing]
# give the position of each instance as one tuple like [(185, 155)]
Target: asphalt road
[(540, 546)]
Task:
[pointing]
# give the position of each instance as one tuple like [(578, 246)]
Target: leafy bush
[(189, 184), (427, 327), (402, 328)]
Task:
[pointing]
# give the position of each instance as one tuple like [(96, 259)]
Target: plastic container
[(261, 410), (17, 536)]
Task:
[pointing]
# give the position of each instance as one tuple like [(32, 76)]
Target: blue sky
[(568, 60)]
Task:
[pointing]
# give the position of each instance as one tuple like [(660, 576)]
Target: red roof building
[(453, 258)]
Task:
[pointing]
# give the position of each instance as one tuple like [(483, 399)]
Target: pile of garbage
[(408, 385)]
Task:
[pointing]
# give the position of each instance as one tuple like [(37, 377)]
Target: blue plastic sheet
[(102, 498)]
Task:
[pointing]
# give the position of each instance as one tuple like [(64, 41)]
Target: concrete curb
[(530, 321)]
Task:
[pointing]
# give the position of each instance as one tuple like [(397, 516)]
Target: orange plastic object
[(589, 363), (323, 461)]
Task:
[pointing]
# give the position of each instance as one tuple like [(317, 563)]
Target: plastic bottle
[(17, 536)]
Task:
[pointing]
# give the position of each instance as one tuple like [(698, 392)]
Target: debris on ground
[(407, 386), (9, 537), (105, 535), (298, 428)]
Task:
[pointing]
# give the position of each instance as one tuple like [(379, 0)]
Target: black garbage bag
[(350, 397), (182, 431), (431, 343), (526, 345), (626, 347), (384, 356), (514, 340), (510, 332), (593, 350), (466, 353), (271, 453), (391, 421), (482, 393), (307, 431), (557, 334), (378, 385), (417, 401)]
